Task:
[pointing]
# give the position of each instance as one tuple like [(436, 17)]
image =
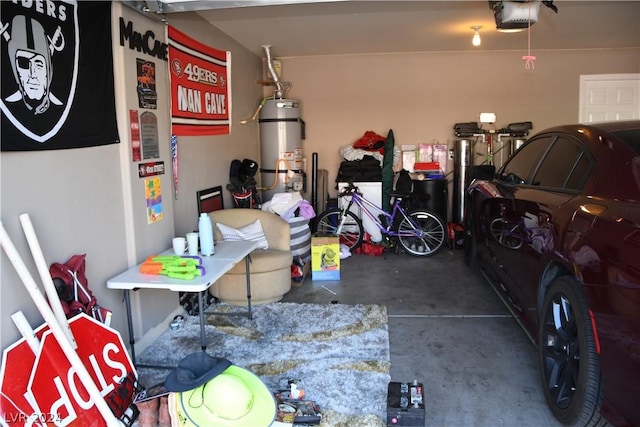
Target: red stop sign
[(54, 384), (102, 351), (17, 363), (57, 391)]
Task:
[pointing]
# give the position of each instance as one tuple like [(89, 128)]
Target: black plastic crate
[(405, 404)]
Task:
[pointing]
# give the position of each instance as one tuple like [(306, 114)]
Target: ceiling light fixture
[(476, 35)]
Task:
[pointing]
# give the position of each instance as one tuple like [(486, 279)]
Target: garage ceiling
[(348, 27)]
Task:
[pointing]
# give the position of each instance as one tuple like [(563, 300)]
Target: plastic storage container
[(431, 194), (205, 232), (371, 191)]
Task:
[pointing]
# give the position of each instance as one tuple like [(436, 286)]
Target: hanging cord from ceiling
[(529, 60)]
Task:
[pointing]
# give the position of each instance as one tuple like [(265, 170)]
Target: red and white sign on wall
[(134, 129), (53, 393), (200, 98)]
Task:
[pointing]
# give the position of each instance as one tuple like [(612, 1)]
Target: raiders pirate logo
[(40, 45)]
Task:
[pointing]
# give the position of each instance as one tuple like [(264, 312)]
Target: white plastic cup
[(179, 245), (192, 243)]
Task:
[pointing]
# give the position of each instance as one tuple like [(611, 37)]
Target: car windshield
[(631, 137)]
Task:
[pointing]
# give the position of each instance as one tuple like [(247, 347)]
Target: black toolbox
[(405, 404)]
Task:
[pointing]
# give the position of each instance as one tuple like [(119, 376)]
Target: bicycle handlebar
[(349, 189)]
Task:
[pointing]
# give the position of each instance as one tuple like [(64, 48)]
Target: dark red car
[(556, 231)]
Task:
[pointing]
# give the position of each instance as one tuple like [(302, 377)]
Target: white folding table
[(227, 255)]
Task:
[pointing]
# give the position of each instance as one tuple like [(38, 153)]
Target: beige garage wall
[(90, 200), (422, 95)]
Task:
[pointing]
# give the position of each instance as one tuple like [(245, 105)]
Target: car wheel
[(567, 356)]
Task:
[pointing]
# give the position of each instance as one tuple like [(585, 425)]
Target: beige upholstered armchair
[(270, 268)]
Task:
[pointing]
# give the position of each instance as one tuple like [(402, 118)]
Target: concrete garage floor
[(450, 331)]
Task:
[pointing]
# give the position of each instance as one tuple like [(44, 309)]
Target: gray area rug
[(340, 354)]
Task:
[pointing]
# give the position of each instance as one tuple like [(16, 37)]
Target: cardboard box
[(440, 155), (408, 160), (305, 274), (425, 153), (325, 258)]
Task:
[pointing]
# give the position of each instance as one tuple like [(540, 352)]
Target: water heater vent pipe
[(279, 93)]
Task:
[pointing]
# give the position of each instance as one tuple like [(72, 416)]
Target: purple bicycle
[(419, 232)]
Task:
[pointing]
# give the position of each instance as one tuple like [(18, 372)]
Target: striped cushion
[(300, 237), (252, 232)]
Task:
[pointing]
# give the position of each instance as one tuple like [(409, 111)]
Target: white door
[(609, 97)]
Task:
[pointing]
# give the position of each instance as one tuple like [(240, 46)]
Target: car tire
[(567, 356)]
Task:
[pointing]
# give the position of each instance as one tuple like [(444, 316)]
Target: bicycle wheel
[(352, 231), (506, 233), (421, 233)]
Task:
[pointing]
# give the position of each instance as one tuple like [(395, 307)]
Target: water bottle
[(205, 232)]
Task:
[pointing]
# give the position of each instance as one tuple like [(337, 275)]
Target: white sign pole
[(26, 331), (45, 276), (56, 329)]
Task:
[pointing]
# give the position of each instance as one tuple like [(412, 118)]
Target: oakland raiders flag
[(57, 75)]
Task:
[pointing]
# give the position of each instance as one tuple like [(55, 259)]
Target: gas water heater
[(281, 134), (281, 159)]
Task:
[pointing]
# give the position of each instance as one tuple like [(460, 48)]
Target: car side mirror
[(512, 178), (484, 172)]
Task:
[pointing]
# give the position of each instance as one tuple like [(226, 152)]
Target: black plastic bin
[(431, 194)]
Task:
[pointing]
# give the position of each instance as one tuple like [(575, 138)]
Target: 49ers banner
[(199, 77), (57, 86)]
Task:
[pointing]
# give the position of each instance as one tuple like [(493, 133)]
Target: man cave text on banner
[(199, 75)]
